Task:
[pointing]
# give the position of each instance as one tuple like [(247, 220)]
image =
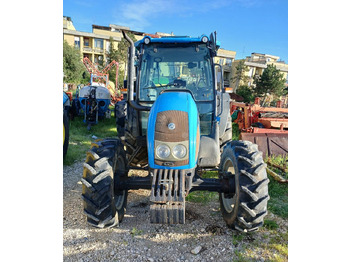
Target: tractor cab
[(177, 65)]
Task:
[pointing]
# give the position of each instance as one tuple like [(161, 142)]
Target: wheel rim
[(228, 203)]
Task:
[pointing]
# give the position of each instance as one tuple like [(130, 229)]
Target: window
[(228, 61), (86, 42), (181, 67), (77, 42), (99, 43)]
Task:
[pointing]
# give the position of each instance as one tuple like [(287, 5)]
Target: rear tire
[(104, 168), (246, 209)]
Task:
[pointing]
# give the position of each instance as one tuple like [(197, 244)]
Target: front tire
[(104, 168), (246, 209)]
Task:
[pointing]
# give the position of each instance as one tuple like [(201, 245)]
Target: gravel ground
[(204, 237)]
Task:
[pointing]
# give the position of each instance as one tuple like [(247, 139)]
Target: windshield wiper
[(160, 85)]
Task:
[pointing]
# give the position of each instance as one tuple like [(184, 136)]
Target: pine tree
[(270, 82)]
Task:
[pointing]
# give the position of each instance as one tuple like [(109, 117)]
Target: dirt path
[(204, 237)]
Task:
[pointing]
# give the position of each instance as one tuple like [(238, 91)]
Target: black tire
[(246, 209), (104, 168), (65, 132)]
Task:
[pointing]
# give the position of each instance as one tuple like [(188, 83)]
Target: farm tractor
[(176, 125), (94, 99)]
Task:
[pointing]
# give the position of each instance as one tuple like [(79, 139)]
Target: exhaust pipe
[(131, 74)]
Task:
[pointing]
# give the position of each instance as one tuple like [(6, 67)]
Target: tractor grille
[(168, 185)]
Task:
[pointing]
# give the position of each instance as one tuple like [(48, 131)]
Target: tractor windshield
[(176, 67)]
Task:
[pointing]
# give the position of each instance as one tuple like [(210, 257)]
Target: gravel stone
[(204, 232)]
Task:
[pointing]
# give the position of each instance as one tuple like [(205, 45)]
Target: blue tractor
[(175, 124)]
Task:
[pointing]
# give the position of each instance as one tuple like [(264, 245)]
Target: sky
[(244, 26)]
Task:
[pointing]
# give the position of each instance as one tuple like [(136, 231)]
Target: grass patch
[(80, 138), (204, 196), (270, 224), (136, 232), (278, 203)]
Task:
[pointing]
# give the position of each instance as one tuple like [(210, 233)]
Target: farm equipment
[(265, 126), (177, 125), (95, 98), (101, 78)]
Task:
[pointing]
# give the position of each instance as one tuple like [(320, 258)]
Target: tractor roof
[(175, 40)]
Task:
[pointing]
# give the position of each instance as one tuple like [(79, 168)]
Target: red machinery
[(103, 77), (265, 126)]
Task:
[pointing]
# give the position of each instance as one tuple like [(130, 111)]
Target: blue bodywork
[(174, 39), (182, 101)]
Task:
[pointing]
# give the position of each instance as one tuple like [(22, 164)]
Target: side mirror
[(219, 78)]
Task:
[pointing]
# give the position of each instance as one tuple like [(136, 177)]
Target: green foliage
[(271, 81), (270, 224), (235, 131), (240, 74), (120, 55), (278, 203), (80, 138), (246, 92), (73, 68), (135, 232)]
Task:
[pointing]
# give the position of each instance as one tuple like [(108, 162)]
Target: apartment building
[(226, 59), (95, 45), (256, 64)]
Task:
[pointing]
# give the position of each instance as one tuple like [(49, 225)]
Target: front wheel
[(104, 168), (245, 210)]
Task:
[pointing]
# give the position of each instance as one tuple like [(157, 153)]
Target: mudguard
[(174, 107)]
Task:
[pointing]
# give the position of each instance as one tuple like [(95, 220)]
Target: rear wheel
[(246, 209), (105, 167)]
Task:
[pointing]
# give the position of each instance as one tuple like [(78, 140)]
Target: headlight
[(163, 151), (179, 151)]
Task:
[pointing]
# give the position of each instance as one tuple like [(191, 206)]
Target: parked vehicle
[(177, 125)]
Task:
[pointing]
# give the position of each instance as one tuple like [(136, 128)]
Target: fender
[(173, 118)]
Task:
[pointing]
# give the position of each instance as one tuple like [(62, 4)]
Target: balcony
[(87, 49), (98, 50)]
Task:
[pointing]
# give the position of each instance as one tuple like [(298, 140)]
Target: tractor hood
[(173, 133)]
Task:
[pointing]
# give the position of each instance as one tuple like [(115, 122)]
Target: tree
[(270, 82), (73, 68), (246, 92), (240, 77), (120, 55)]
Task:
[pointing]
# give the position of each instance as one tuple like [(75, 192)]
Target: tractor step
[(168, 196)]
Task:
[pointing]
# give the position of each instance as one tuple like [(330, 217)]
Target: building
[(256, 64), (95, 45), (226, 59)]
